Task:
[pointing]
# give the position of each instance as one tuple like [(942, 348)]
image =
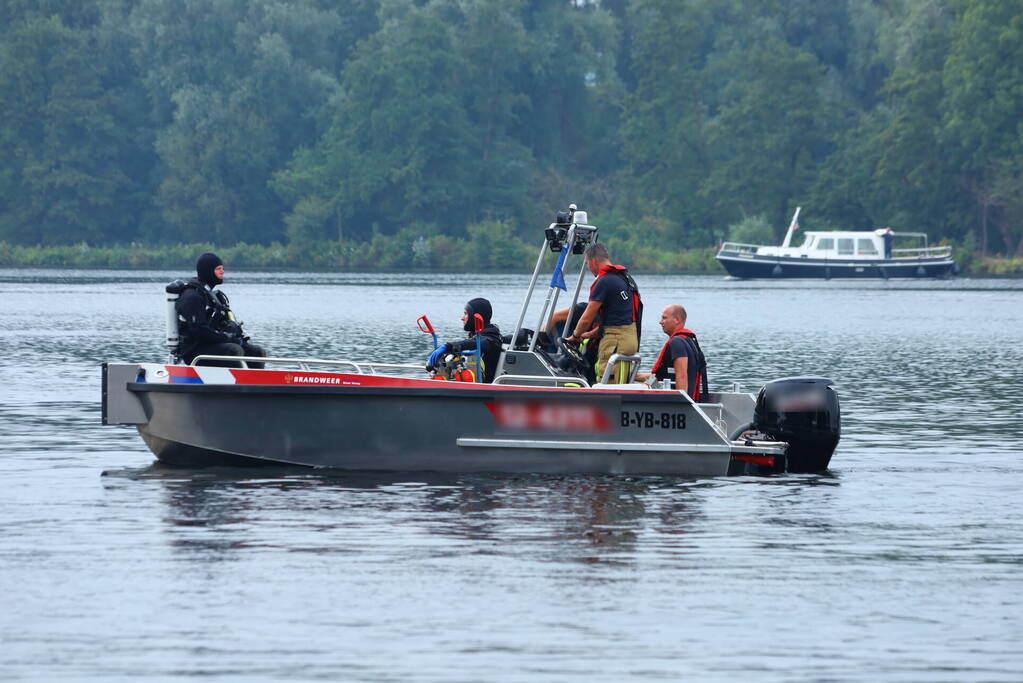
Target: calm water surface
[(904, 562)]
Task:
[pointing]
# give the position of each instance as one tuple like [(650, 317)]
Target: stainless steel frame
[(616, 358), (588, 234), (364, 368)]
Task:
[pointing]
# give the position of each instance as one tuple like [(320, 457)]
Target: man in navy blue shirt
[(681, 356), (614, 310), (888, 236)]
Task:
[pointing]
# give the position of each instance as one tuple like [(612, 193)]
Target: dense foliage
[(434, 128)]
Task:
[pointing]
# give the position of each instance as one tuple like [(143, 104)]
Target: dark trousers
[(227, 349)]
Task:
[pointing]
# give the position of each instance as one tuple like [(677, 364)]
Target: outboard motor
[(802, 411), (173, 290)]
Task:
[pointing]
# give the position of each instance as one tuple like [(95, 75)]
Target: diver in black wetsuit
[(205, 320), (490, 339)]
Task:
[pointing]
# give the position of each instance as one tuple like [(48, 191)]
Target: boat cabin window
[(845, 245), (826, 243), (866, 246)]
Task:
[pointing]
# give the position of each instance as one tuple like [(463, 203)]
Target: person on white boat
[(888, 237), (207, 325), (680, 356)]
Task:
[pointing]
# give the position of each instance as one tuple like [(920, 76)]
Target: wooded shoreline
[(433, 255), (678, 123)]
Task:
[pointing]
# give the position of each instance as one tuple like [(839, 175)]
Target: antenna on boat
[(792, 227)]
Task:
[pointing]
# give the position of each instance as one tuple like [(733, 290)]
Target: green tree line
[(453, 124)]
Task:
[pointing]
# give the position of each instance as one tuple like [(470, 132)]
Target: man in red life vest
[(614, 310), (681, 356)]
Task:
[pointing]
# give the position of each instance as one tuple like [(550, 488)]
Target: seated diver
[(207, 325), (680, 356), (490, 339)]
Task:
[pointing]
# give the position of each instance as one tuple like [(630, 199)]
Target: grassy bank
[(996, 266), (437, 253)]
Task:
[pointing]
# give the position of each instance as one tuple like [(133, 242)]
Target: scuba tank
[(173, 332), (222, 319), (453, 367)]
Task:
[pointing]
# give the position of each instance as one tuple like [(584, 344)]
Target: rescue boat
[(540, 415)]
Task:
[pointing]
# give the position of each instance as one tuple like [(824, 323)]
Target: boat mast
[(575, 297), (525, 305), (792, 226), (552, 292), (571, 233), (580, 234)]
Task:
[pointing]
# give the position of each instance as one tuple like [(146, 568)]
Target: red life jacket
[(637, 303), (700, 380)]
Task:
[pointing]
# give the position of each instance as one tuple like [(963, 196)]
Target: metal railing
[(392, 366), (371, 368), (923, 252), (306, 363), (613, 361)]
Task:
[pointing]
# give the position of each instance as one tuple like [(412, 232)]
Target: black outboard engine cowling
[(802, 411)]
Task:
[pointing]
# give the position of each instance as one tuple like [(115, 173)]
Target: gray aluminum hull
[(441, 428)]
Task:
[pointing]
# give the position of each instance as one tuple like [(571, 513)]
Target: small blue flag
[(558, 279)]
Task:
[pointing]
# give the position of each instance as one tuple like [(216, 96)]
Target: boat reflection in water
[(224, 516), (229, 515)]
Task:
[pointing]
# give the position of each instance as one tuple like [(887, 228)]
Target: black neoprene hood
[(204, 268), (481, 306)]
